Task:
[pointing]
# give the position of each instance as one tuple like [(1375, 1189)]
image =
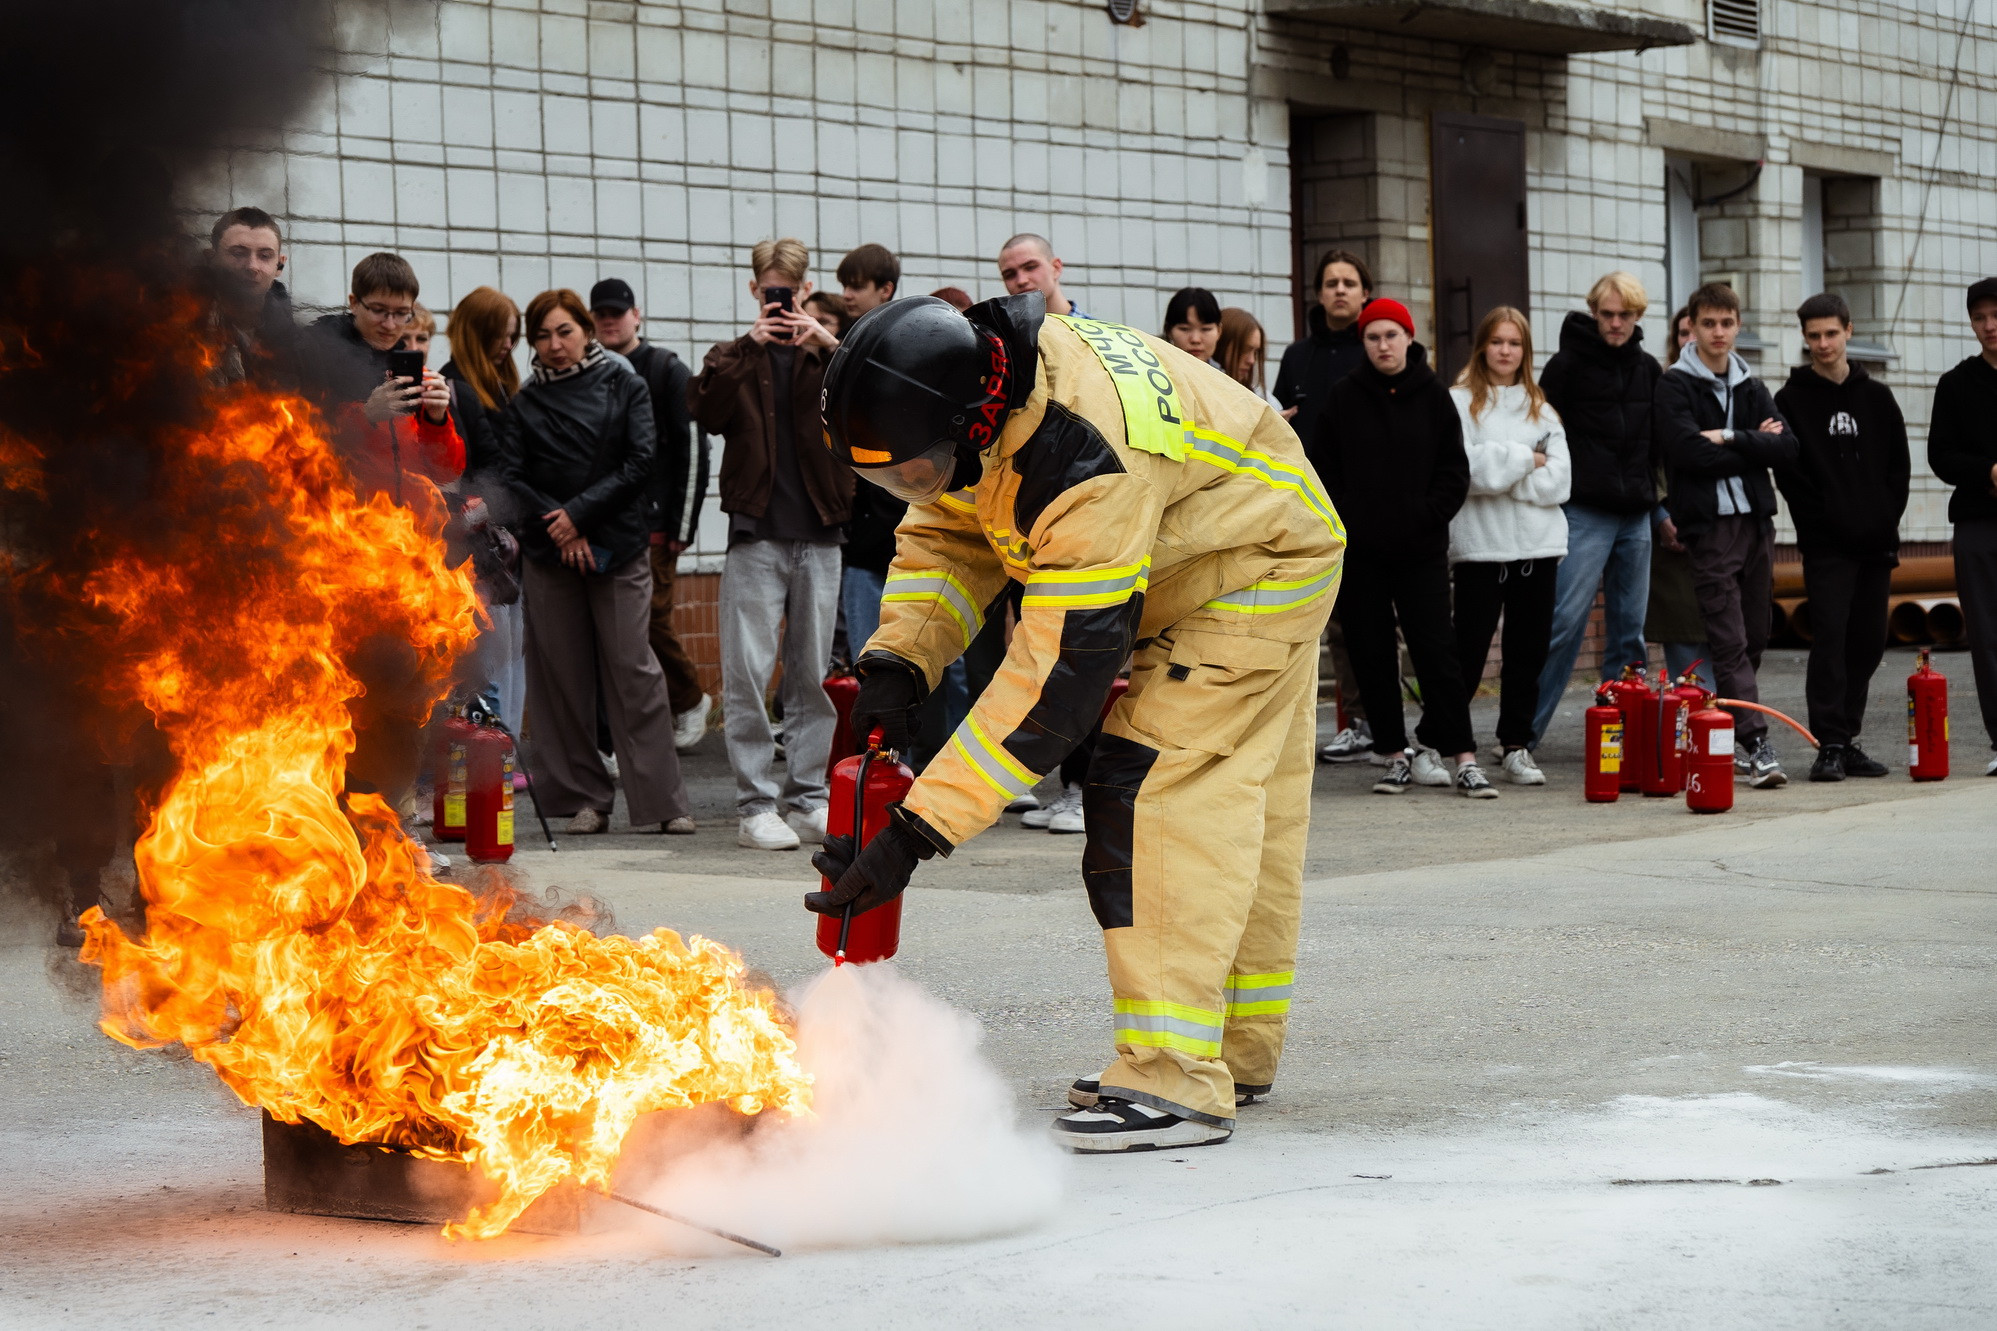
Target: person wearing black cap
[(679, 483), (1962, 449)]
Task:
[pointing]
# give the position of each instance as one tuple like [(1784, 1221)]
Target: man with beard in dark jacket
[(1393, 460), (1601, 382), (1304, 381), (1846, 490), (1962, 450), (1720, 432)]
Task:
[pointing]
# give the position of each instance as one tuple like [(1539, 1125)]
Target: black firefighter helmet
[(914, 390)]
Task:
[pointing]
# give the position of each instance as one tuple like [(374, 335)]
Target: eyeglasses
[(386, 315)]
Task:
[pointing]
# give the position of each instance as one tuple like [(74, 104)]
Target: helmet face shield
[(923, 479)]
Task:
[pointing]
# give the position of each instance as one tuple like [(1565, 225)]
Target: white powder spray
[(913, 1137)]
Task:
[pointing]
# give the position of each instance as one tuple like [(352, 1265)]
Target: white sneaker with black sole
[(1354, 744), (1085, 1091), (1110, 1126), (1428, 768)]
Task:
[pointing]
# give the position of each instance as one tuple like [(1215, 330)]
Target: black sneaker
[(1830, 763), (1859, 763), (1471, 782), (1765, 769), (1112, 1125), (1085, 1091), (1400, 774)]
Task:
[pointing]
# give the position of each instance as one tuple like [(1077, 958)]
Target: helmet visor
[(920, 480)]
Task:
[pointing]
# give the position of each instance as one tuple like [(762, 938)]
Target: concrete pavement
[(1552, 1066)]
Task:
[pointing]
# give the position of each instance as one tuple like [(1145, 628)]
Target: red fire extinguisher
[(863, 786), (1638, 703), (1709, 777), (1675, 705), (843, 689), (489, 795), (1603, 751), (1927, 722), (447, 809)]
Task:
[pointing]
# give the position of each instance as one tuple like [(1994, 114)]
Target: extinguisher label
[(505, 827), (1913, 731), (454, 809), (1720, 742), (1913, 755), (1612, 747), (506, 785)]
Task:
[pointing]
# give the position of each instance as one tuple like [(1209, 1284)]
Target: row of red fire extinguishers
[(1660, 741)]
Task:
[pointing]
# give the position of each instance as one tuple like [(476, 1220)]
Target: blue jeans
[(1610, 551), (860, 592)]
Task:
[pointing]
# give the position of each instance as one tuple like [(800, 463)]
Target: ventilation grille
[(1734, 21)]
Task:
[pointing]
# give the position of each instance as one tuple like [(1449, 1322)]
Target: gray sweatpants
[(778, 595), (585, 634)]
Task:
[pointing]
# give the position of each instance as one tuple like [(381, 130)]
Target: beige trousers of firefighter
[(1198, 806)]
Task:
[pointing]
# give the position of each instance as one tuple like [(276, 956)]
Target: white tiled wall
[(525, 145)]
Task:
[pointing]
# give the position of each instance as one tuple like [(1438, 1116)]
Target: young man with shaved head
[(1027, 263)]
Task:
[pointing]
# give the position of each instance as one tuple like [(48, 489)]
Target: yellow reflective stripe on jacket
[(1217, 450), (1153, 420), (1272, 596), (942, 588), (1159, 1025), (1000, 770), (1075, 589), (1253, 995), (960, 501)]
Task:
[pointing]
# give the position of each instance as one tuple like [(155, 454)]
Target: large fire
[(294, 938)]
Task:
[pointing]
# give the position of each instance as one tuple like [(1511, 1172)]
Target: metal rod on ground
[(1757, 707), (693, 1224), (521, 747)]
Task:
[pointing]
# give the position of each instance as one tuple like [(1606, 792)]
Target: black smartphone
[(784, 299), (407, 365)]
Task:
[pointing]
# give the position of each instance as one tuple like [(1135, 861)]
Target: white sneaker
[(1521, 770), (690, 727), (1428, 768), (609, 764), (808, 826), (1992, 769), (1042, 815), (1066, 814), (440, 863), (765, 831), (1113, 1124), (1026, 803), (1354, 744)]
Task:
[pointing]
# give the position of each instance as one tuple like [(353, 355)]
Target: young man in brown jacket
[(786, 498)]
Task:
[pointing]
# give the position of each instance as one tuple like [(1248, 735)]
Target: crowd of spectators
[(1518, 495)]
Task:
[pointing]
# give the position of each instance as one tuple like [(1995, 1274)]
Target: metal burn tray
[(307, 1171)]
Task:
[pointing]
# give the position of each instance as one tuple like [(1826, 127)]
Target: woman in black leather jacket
[(576, 447)]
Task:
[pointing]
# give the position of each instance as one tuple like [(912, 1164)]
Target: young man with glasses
[(1601, 382), (371, 410)]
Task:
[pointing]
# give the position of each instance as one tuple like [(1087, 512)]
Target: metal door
[(1477, 211)]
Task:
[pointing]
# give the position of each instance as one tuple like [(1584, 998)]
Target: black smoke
[(107, 109)]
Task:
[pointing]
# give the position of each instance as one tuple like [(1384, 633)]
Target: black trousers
[(1848, 619), (1523, 591), (1733, 572), (1413, 589), (1976, 583)]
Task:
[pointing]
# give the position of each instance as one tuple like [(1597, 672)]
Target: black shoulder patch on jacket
[(1065, 451)]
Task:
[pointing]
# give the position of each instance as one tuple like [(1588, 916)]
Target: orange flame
[(294, 939)]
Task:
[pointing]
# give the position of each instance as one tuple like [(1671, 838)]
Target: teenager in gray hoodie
[(1719, 432)]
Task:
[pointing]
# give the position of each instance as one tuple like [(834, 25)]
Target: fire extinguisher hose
[(1789, 721)]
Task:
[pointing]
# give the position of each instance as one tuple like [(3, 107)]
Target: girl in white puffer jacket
[(1508, 538)]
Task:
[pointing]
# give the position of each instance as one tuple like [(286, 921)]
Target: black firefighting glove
[(878, 874), (891, 698)]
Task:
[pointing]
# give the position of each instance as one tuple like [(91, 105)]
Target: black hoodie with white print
[(1847, 488)]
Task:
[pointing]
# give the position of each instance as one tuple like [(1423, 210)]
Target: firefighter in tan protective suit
[(1149, 504)]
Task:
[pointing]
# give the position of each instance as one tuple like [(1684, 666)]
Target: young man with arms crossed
[(1601, 384), (1311, 365), (1846, 490), (1962, 449), (679, 484), (1720, 432)]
